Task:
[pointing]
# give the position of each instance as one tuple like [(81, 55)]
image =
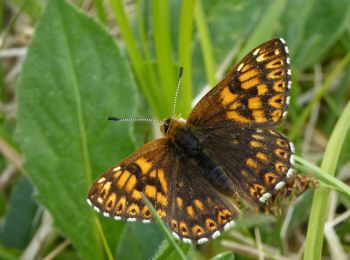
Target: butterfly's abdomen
[(188, 145)]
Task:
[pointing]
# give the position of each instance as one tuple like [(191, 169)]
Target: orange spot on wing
[(161, 213), (276, 74), (277, 101), (274, 64), (276, 115), (249, 74), (146, 213), (198, 204), (251, 163), (183, 228), (131, 183), (144, 165), (259, 116), (258, 137), (282, 142), (174, 225), (190, 211), (150, 191), (161, 199), (254, 103), (133, 210), (111, 201), (123, 178), (210, 224), (270, 178), (264, 56), (136, 195), (279, 86), (224, 216), (256, 190), (261, 156), (246, 67), (153, 174), (237, 117), (197, 230), (280, 167), (162, 180), (227, 96), (179, 202), (117, 174), (281, 154), (255, 144), (105, 189), (120, 207), (262, 89), (250, 83)]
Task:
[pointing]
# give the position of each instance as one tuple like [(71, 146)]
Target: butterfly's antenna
[(148, 120), (177, 89)]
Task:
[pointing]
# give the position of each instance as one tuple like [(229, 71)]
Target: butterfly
[(226, 152)]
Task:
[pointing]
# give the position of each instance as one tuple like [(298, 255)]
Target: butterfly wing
[(187, 203), (255, 92), (118, 192), (197, 212), (257, 160)]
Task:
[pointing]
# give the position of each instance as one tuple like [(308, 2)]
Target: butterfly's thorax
[(187, 141)]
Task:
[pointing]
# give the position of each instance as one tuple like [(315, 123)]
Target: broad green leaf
[(134, 236), (18, 224), (73, 78)]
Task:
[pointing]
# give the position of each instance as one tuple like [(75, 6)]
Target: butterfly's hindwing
[(257, 160), (198, 212)]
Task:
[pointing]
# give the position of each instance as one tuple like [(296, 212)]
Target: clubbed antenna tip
[(180, 72), (113, 118)]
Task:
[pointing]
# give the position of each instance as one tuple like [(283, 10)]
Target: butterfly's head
[(171, 124)]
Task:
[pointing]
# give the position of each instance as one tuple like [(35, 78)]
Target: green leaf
[(134, 236), (72, 79), (19, 217)]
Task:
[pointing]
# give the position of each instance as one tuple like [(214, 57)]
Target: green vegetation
[(88, 59)]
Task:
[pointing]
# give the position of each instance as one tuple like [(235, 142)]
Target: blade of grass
[(104, 240), (314, 238), (185, 55), (266, 26), (163, 48), (145, 83), (100, 11), (323, 176), (325, 86), (205, 42), (166, 231)]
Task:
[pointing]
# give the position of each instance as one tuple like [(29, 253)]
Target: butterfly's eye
[(165, 126)]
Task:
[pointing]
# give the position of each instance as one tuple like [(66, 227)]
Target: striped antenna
[(177, 89), (146, 120)]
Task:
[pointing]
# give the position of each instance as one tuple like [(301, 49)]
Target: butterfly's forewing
[(118, 192), (190, 206), (254, 93)]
